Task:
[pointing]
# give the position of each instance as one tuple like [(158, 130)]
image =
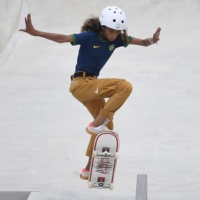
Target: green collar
[(101, 39)]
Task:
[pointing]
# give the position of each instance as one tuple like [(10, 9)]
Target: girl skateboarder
[(98, 39)]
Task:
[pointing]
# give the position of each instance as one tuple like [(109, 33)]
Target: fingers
[(28, 24), (156, 35), (28, 19), (158, 30)]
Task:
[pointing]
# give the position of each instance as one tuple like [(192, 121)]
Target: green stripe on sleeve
[(74, 40), (130, 39)]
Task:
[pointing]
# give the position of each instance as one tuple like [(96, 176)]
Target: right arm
[(50, 36)]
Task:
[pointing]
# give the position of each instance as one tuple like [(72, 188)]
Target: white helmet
[(113, 17)]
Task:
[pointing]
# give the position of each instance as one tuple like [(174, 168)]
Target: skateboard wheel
[(90, 184), (101, 184), (116, 155), (111, 186), (94, 154)]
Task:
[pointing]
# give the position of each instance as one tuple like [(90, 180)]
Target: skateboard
[(104, 160)]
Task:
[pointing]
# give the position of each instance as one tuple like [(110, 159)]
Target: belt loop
[(83, 74)]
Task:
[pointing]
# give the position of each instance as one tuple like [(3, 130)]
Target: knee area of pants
[(127, 86)]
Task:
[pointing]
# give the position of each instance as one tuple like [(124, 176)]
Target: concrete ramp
[(9, 30)]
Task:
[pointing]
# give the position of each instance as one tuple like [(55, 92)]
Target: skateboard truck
[(101, 183), (105, 153)]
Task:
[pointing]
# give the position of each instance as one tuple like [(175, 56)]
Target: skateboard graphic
[(104, 161)]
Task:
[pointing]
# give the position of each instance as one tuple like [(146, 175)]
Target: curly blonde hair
[(93, 24)]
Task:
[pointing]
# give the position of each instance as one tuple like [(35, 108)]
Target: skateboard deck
[(104, 161)]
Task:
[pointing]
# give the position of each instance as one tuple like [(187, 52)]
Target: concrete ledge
[(19, 195), (141, 188), (14, 195)]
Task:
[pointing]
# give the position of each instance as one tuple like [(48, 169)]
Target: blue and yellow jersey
[(94, 51)]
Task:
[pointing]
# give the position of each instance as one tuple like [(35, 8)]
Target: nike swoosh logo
[(95, 47), (97, 90)]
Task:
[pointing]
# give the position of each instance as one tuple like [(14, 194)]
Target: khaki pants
[(92, 93)]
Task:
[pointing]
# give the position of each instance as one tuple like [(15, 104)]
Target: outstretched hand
[(29, 27), (156, 35)]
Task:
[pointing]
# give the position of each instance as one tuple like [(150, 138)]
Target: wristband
[(151, 41)]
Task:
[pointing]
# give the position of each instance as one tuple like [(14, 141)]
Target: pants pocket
[(74, 84)]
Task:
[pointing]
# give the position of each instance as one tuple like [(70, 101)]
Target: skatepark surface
[(42, 127)]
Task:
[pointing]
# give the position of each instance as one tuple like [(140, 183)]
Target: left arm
[(148, 41)]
